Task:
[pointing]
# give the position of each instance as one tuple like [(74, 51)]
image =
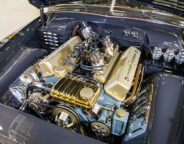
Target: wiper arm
[(112, 6)]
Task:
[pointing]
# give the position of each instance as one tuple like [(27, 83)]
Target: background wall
[(15, 14)]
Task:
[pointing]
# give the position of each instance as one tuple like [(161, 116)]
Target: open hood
[(172, 6)]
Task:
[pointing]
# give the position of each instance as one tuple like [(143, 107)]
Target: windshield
[(120, 8), (171, 6), (108, 2), (115, 4), (174, 4)]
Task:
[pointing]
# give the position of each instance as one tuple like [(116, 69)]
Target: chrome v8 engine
[(84, 83)]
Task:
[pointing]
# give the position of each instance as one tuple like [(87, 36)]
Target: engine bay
[(90, 84)]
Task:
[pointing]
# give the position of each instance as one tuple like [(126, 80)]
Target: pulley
[(100, 129), (66, 116)]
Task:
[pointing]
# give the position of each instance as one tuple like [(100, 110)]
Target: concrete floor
[(15, 14)]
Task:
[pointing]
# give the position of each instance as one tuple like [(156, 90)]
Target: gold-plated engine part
[(102, 76), (86, 93), (57, 58), (60, 71), (100, 129), (137, 82), (68, 90), (66, 116), (121, 78)]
